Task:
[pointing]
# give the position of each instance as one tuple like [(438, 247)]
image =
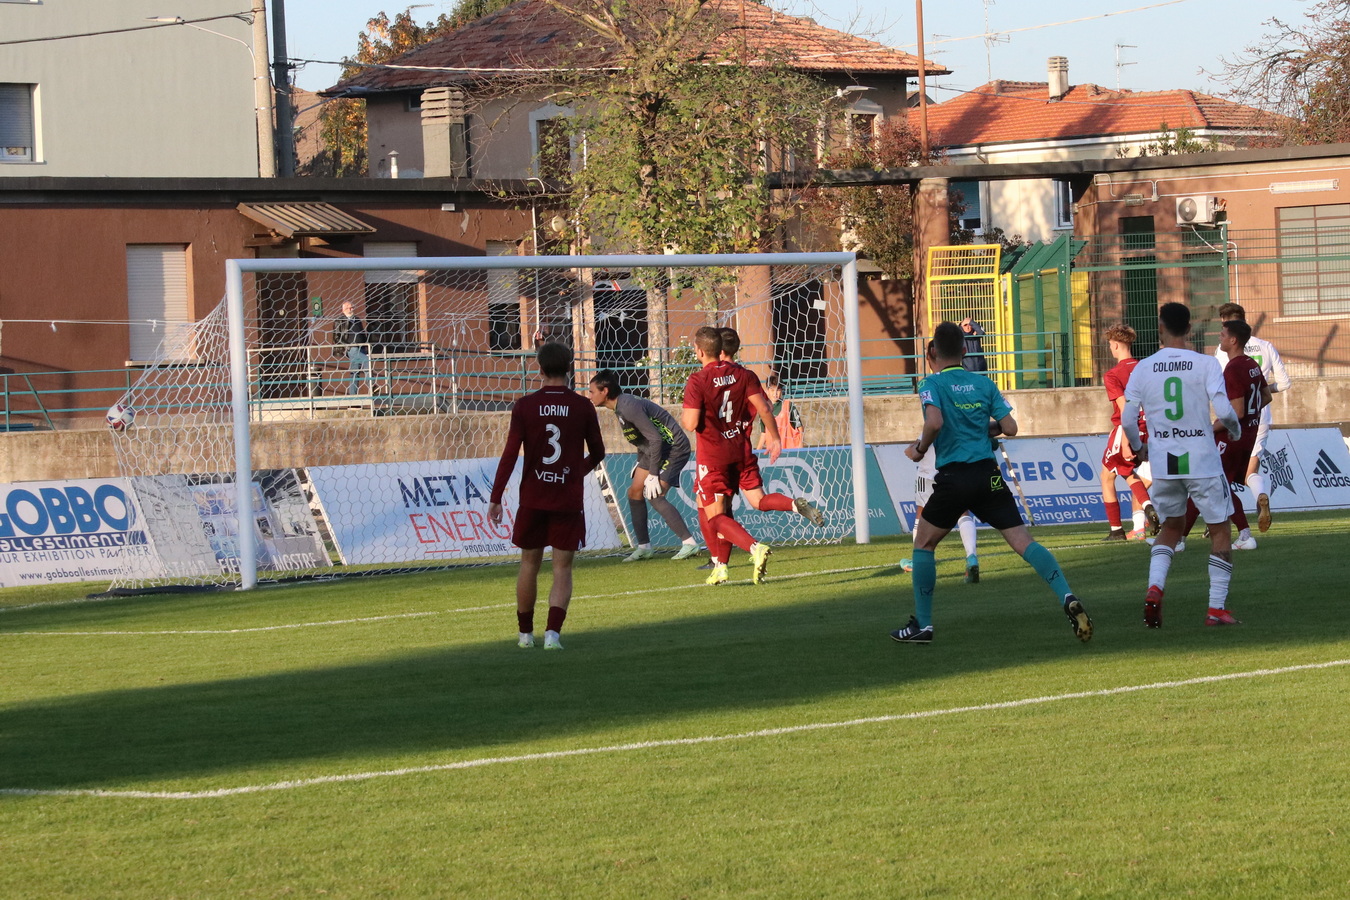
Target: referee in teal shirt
[(963, 415)]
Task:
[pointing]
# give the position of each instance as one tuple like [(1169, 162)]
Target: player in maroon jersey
[(716, 400), (752, 481), (1117, 459), (561, 435), (1249, 392)]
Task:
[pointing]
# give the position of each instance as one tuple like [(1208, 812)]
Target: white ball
[(120, 417)]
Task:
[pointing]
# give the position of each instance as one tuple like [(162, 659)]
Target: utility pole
[(923, 84), (262, 94), (281, 80)]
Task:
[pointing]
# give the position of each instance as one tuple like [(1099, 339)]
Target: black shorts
[(978, 487)]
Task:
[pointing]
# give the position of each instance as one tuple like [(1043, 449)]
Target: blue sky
[(1171, 41)]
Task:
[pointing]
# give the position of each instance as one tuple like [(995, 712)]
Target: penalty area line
[(658, 744)]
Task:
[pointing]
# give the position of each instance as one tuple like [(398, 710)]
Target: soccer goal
[(341, 416)]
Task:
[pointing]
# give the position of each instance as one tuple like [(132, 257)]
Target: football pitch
[(385, 736)]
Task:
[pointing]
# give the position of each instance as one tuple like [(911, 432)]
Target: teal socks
[(1046, 566)]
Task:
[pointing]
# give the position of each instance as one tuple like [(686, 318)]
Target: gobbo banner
[(821, 475), (67, 531), (422, 511)]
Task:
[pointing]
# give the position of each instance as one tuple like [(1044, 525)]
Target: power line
[(994, 34), (246, 15)]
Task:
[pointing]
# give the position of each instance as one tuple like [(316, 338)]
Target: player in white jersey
[(1268, 358), (1175, 388), (923, 489)]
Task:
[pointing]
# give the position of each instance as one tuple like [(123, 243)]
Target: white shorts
[(1211, 497), (923, 490)]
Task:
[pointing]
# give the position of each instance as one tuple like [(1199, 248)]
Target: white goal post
[(274, 440)]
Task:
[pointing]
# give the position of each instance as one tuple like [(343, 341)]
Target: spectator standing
[(350, 332)]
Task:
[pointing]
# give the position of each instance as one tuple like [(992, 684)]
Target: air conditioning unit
[(1195, 210)]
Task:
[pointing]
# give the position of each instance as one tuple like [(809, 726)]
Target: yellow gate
[(965, 281)]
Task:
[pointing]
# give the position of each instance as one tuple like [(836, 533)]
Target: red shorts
[(559, 529), (1111, 456), (1235, 456), (725, 480)]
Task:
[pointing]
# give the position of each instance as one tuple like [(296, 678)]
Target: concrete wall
[(170, 101), (89, 454)]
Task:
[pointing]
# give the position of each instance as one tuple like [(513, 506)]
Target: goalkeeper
[(663, 451)]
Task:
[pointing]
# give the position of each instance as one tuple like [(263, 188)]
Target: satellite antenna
[(990, 39), (1119, 64)]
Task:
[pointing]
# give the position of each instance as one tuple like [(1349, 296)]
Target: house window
[(967, 193), (391, 299), (157, 303), (863, 118), (17, 132), (862, 129), (1063, 204), (551, 141), (1316, 282), (503, 296)]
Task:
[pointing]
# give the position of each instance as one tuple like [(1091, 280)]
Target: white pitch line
[(394, 616), (652, 745)]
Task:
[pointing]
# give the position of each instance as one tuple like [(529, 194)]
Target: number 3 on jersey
[(554, 444)]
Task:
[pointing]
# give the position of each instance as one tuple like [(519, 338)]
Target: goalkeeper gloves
[(651, 488)]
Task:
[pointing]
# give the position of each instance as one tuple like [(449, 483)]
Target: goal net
[(347, 416)]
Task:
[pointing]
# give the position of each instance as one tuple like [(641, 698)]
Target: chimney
[(444, 135), (1059, 76)]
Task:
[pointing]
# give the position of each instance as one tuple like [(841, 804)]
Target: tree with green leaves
[(678, 130), (877, 222), (1302, 71)]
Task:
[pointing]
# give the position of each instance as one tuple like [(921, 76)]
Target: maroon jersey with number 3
[(722, 392), (556, 425)]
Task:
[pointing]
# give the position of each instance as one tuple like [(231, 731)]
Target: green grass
[(1231, 788)]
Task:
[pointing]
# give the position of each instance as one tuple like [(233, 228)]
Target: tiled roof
[(530, 35), (1011, 111)]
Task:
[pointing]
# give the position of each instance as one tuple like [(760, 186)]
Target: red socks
[(556, 615)]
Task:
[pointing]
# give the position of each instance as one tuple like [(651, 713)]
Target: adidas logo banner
[(1326, 474), (1305, 468)]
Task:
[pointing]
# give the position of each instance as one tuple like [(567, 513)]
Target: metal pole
[(857, 426), (281, 81), (923, 84), (243, 450), (262, 94)]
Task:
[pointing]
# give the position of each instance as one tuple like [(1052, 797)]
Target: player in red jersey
[(1117, 459), (1250, 393), (561, 435), (716, 402), (752, 482)]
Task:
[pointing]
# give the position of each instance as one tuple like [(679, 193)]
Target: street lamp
[(262, 86)]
